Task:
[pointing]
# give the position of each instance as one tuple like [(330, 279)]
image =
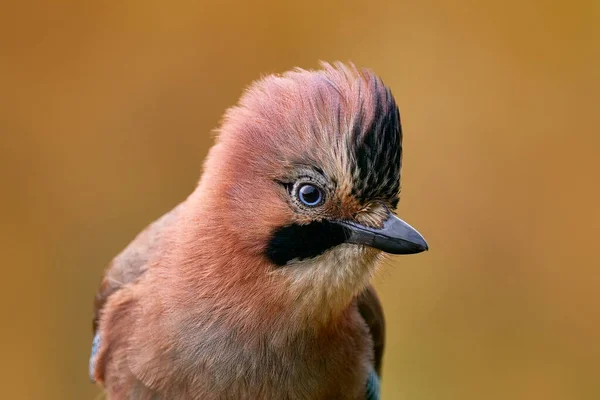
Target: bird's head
[(306, 174)]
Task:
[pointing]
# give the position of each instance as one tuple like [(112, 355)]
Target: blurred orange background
[(106, 114)]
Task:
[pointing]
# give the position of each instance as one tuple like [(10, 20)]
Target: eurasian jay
[(257, 286)]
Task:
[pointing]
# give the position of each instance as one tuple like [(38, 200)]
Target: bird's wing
[(132, 262), (372, 312), (123, 271)]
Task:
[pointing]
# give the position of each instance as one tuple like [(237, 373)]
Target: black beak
[(394, 237)]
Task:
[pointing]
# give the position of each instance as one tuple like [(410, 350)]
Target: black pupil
[(310, 195)]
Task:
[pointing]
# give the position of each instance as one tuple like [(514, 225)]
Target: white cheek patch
[(332, 279)]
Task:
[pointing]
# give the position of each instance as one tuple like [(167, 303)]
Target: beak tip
[(421, 247), (419, 242)]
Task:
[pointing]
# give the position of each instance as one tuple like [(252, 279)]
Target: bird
[(258, 284)]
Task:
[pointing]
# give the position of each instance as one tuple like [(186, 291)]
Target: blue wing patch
[(373, 386), (95, 347)]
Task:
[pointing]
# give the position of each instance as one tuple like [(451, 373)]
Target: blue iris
[(310, 195)]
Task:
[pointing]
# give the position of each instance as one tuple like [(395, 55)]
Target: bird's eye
[(310, 195)]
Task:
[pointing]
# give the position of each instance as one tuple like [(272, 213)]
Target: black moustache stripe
[(301, 242)]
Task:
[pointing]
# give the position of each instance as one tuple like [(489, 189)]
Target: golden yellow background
[(106, 110)]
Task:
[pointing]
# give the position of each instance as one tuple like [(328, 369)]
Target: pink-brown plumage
[(193, 309)]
